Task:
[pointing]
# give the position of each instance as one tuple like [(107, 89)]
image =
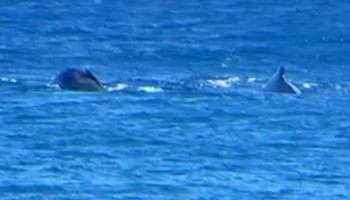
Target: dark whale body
[(279, 84), (77, 80)]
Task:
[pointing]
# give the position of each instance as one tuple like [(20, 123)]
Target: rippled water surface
[(187, 117)]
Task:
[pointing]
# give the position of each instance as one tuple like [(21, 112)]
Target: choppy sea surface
[(187, 118)]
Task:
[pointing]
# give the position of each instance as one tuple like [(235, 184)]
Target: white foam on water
[(338, 87), (53, 85), (116, 87), (306, 85), (223, 82), (251, 79), (309, 85), (9, 80), (150, 89)]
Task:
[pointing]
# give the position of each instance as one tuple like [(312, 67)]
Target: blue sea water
[(187, 118)]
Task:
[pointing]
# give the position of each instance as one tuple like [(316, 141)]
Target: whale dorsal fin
[(279, 84), (280, 72), (90, 75)]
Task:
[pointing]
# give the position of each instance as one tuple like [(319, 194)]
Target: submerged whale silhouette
[(279, 84), (77, 80)]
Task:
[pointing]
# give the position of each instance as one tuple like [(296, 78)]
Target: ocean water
[(187, 117)]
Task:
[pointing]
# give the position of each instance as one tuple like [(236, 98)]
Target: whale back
[(279, 84), (78, 80)]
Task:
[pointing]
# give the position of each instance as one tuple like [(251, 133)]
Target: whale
[(279, 84), (77, 80)]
